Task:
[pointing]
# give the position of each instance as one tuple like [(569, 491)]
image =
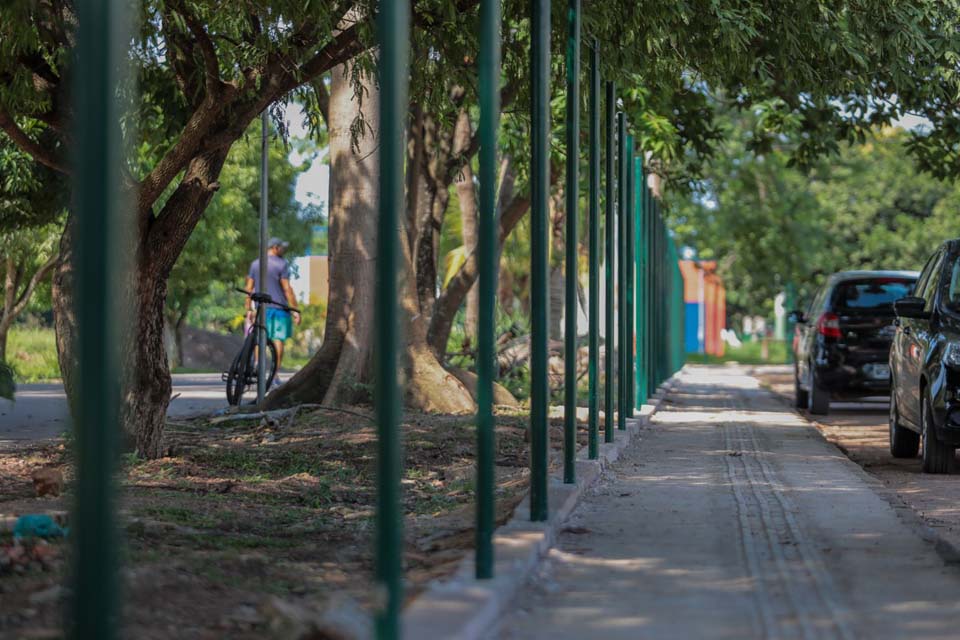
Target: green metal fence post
[(648, 329), (394, 29), (639, 390), (539, 244), (657, 297), (572, 245), (621, 267), (262, 254), (102, 39), (790, 304), (630, 351), (489, 66), (661, 297), (593, 445), (609, 348)]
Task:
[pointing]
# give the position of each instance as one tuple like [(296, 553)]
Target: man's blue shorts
[(279, 324)]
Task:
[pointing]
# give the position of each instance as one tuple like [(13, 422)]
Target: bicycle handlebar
[(265, 298)]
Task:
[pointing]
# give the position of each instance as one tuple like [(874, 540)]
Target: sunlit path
[(733, 518)]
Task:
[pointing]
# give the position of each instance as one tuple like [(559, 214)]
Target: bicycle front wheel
[(236, 377)]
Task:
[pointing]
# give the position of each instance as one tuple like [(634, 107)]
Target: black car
[(842, 341), (925, 365)]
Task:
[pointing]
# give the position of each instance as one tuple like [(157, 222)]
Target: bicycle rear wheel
[(271, 369), (271, 364)]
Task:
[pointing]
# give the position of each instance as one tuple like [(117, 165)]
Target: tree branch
[(37, 278), (38, 152), (211, 63)]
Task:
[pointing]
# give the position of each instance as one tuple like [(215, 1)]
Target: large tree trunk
[(140, 299), (341, 371)]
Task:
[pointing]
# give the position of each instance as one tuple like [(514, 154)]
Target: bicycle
[(243, 371)]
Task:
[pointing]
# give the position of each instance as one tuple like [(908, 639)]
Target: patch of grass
[(32, 352), (748, 353), (180, 515)]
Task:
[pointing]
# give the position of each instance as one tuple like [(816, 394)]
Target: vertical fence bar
[(649, 328), (394, 30), (609, 348), (102, 38), (790, 304), (662, 285), (572, 245), (655, 288), (593, 444), (621, 268), (261, 308), (539, 278), (640, 187), (489, 65), (628, 395)]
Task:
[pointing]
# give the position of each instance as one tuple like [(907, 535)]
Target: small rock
[(245, 616), (46, 596), (48, 482)]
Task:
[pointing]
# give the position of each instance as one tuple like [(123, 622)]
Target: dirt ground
[(245, 510), (860, 430)]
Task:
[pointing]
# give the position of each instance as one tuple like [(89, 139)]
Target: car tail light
[(829, 325)]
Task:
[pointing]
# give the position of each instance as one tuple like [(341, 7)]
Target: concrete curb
[(463, 608)]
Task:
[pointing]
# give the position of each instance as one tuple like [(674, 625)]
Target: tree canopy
[(769, 223)]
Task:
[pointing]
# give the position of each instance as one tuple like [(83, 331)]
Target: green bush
[(7, 385), (748, 353)]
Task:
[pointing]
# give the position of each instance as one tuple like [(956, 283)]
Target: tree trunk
[(145, 382), (510, 210), (138, 304), (4, 332), (341, 371), (467, 193)]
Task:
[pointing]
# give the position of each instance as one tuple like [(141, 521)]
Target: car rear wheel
[(800, 399), (937, 457), (819, 398), (904, 443)]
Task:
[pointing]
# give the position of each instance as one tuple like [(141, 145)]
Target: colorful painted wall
[(705, 302)]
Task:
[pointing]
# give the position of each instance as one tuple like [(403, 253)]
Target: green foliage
[(768, 223), (32, 353)]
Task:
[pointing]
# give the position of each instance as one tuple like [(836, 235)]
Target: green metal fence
[(643, 302)]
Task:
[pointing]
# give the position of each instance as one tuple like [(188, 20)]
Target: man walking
[(278, 321)]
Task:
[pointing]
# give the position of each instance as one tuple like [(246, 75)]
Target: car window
[(870, 295), (816, 303), (925, 275), (952, 298), (929, 290)]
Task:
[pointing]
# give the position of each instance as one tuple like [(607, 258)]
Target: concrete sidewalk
[(733, 518)]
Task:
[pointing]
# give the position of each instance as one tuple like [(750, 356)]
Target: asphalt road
[(40, 410), (732, 517)]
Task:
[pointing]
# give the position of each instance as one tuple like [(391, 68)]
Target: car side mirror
[(797, 316), (911, 307)]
